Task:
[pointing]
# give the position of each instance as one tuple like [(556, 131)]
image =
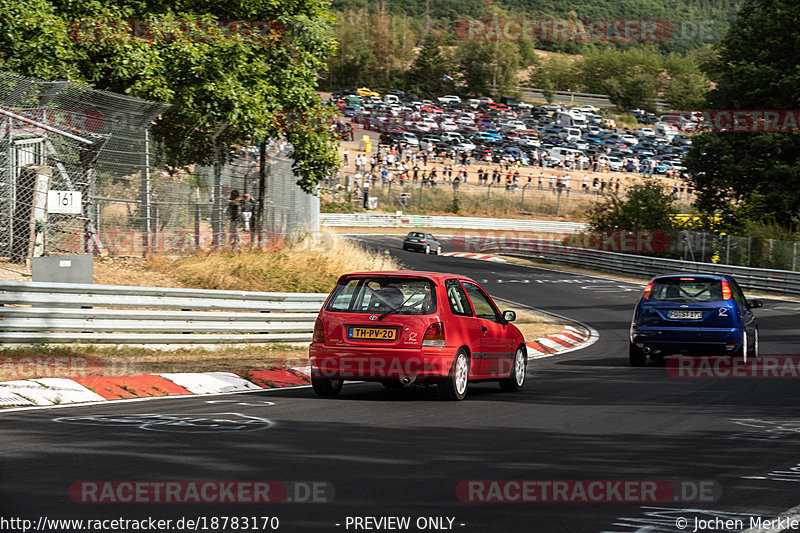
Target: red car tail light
[(647, 291), (319, 332), (434, 336), (726, 290)]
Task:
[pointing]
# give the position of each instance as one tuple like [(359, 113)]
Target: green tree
[(558, 72), (489, 67), (429, 74), (354, 61), (474, 60), (753, 176), (629, 77), (646, 207), (34, 41), (224, 90), (686, 85)]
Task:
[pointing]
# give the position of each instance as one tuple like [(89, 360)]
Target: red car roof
[(436, 276)]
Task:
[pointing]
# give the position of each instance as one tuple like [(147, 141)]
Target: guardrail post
[(794, 256)]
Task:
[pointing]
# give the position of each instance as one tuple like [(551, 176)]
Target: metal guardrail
[(377, 220), (785, 282), (583, 98), (58, 313)]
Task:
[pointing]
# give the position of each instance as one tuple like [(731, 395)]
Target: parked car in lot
[(560, 154), (682, 140), (614, 163), (586, 108), (422, 242), (398, 137), (428, 142), (693, 314), (406, 327)]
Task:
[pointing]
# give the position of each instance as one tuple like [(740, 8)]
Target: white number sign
[(64, 202)]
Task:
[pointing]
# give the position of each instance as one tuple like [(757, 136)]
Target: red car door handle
[(483, 329)]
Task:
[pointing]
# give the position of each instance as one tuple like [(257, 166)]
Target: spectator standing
[(248, 204), (234, 208)]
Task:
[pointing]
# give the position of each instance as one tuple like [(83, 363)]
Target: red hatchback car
[(405, 327)]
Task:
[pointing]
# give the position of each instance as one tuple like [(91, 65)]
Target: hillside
[(445, 13), (649, 9)]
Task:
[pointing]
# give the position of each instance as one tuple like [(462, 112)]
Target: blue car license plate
[(681, 314)]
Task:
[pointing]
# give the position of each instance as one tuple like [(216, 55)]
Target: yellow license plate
[(373, 333)]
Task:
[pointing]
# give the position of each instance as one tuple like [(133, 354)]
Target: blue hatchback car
[(693, 314)]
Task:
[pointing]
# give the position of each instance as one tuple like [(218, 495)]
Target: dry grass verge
[(303, 266), (534, 325)]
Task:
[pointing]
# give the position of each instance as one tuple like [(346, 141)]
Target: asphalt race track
[(729, 446)]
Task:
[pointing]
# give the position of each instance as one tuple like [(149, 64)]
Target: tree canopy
[(753, 176)]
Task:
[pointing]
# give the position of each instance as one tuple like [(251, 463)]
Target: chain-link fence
[(91, 149), (533, 193), (279, 207), (737, 250), (62, 138)]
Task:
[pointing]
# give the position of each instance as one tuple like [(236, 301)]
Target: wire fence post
[(522, 201), (196, 218), (702, 246), (145, 195), (728, 250)]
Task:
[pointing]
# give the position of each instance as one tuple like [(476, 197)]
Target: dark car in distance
[(422, 242)]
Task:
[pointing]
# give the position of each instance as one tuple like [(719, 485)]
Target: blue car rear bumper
[(701, 341)]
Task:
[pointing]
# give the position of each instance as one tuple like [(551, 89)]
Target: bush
[(646, 206)]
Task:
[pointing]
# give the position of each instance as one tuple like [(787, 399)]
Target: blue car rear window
[(687, 290)]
